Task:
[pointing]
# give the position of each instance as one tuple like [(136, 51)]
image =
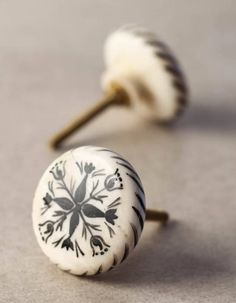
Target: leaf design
[(57, 242), (94, 226), (110, 229), (50, 187), (58, 213), (115, 203), (77, 206), (74, 222), (72, 185), (84, 232), (99, 172), (92, 211), (80, 166), (78, 249), (100, 197), (81, 190), (61, 222), (64, 203)]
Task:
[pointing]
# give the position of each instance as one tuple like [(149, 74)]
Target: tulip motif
[(80, 206)]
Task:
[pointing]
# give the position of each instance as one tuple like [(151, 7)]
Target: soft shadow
[(172, 254), (143, 133), (209, 117)]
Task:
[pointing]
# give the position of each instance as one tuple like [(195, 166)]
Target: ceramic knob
[(146, 68), (88, 210)]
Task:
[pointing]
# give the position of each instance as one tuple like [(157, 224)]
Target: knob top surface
[(88, 210), (149, 72)]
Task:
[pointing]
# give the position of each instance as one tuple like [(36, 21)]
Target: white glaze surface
[(137, 60), (88, 210)]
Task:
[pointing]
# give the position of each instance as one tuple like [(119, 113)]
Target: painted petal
[(64, 203), (92, 211), (81, 190), (74, 222)]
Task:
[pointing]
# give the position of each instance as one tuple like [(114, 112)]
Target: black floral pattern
[(114, 181), (78, 205)]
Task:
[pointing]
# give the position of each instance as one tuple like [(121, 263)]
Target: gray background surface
[(50, 66)]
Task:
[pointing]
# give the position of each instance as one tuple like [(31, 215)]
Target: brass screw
[(116, 96)]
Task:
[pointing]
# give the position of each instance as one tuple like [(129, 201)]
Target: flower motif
[(47, 203), (113, 181), (92, 211), (58, 171), (46, 229), (110, 216), (98, 242), (47, 199), (89, 168), (75, 206), (68, 244)]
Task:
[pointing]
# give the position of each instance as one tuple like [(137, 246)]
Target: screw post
[(157, 215), (116, 96)]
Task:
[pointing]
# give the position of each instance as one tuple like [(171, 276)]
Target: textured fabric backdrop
[(50, 66)]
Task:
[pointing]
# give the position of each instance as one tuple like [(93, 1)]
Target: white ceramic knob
[(88, 210), (148, 71), (142, 74)]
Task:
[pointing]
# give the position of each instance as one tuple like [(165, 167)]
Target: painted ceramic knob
[(88, 210), (146, 68), (141, 74)]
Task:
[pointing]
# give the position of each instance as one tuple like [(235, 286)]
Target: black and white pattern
[(147, 69), (170, 65), (89, 210)]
